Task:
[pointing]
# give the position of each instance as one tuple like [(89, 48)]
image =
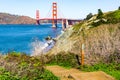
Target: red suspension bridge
[(54, 19)]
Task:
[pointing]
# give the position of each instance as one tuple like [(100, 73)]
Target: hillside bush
[(100, 14), (119, 8), (90, 15), (113, 17), (64, 59), (17, 66), (111, 69)]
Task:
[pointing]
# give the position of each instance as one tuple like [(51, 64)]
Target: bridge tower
[(37, 17), (54, 15)]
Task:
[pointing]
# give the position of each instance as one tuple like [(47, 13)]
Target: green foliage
[(23, 67), (119, 8), (115, 57), (77, 27), (15, 53), (111, 69), (113, 17), (5, 75), (46, 75), (100, 14), (67, 60), (90, 15), (95, 24)]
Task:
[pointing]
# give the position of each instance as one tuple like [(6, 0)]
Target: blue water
[(19, 37)]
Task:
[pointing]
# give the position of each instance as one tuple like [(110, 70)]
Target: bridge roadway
[(70, 21), (60, 19)]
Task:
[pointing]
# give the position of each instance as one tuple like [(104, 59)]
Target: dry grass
[(100, 42)]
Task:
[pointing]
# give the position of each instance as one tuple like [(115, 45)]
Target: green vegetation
[(107, 18), (100, 14), (113, 17), (69, 60), (111, 69), (66, 60), (46, 75), (16, 66), (101, 45), (77, 27), (119, 8), (90, 15)]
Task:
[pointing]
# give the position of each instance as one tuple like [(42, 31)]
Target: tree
[(89, 16), (119, 8), (100, 14)]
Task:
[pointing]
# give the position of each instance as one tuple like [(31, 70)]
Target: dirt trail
[(74, 74)]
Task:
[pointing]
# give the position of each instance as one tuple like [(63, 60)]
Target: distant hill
[(6, 18)]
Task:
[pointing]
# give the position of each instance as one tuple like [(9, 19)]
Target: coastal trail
[(74, 74)]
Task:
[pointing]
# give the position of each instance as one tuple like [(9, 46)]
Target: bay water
[(20, 38)]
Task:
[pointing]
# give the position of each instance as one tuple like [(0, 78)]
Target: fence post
[(82, 54)]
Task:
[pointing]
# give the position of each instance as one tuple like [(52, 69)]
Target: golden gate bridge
[(54, 19)]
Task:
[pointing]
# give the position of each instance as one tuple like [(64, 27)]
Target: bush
[(64, 59), (111, 69), (95, 24), (46, 75), (100, 14), (113, 17), (115, 57), (89, 16), (119, 8), (23, 67)]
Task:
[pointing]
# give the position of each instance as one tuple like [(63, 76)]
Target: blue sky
[(75, 9)]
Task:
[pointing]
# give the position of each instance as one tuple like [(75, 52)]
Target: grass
[(66, 60), (46, 75), (18, 66), (77, 27), (100, 41), (108, 18), (111, 69), (113, 17)]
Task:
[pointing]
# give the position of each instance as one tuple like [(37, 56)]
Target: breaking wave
[(39, 47)]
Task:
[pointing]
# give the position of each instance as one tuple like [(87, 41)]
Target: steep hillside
[(101, 38), (6, 18)]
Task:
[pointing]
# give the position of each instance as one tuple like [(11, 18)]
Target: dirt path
[(74, 74)]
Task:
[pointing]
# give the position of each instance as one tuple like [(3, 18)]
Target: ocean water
[(20, 38)]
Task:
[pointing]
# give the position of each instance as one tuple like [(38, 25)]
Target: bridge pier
[(65, 24), (54, 23), (37, 17)]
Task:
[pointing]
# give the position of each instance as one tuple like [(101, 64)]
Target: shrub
[(119, 8), (95, 24), (64, 59), (113, 17), (111, 69), (100, 14), (23, 67), (115, 57), (89, 16)]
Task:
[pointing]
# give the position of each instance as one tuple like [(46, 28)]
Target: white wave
[(39, 47)]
